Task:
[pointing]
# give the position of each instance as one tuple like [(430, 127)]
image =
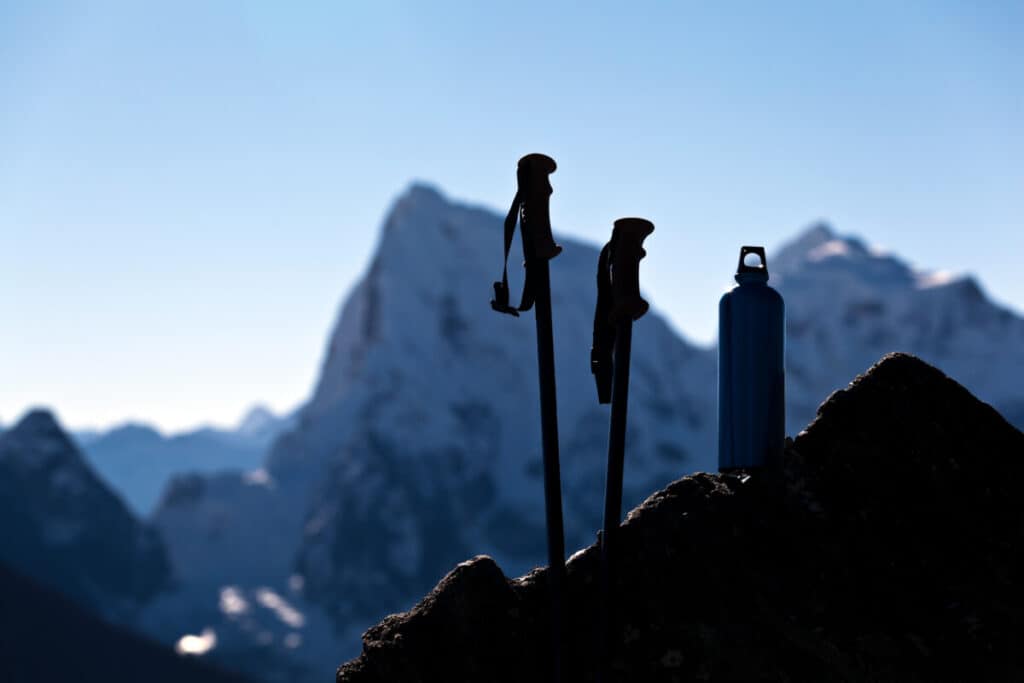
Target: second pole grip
[(628, 236)]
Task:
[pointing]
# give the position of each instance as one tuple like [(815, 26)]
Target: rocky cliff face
[(890, 549)]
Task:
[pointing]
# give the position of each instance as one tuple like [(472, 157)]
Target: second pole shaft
[(617, 430), (613, 489)]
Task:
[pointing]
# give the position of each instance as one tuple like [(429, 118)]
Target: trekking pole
[(618, 304), (531, 205)]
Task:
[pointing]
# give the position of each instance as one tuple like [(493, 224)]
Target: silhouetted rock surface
[(892, 549)]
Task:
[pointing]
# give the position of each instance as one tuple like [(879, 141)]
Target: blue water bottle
[(751, 370)]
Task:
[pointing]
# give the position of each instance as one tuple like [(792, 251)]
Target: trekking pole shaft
[(552, 475), (613, 489), (617, 430)]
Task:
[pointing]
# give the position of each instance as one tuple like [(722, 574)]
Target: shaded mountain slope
[(892, 549), (61, 524), (45, 637)]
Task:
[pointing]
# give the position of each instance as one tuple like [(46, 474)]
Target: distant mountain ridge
[(139, 461)]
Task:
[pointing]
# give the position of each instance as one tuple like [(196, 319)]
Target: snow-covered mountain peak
[(823, 266), (822, 261), (421, 192), (257, 421), (966, 287), (419, 217), (795, 250)]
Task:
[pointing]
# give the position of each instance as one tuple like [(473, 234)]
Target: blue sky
[(189, 188)]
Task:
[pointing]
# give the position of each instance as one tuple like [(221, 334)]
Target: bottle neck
[(752, 278)]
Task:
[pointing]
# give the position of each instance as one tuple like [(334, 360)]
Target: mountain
[(62, 526), (425, 423), (848, 303), (421, 440), (420, 444), (889, 549), (261, 425), (46, 637), (138, 461)]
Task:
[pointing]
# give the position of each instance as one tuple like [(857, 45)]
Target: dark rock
[(891, 549)]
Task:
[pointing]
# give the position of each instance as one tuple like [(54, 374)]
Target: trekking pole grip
[(533, 174), (628, 236)]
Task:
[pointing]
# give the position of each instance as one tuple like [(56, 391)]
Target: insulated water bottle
[(751, 370)]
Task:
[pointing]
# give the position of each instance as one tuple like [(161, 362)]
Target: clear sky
[(188, 188)]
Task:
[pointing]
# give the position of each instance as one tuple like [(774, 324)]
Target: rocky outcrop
[(891, 548)]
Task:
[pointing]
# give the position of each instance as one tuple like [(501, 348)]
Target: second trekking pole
[(531, 207), (618, 304)]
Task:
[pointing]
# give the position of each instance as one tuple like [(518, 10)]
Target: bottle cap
[(758, 273)]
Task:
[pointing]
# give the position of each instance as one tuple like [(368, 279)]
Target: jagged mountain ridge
[(62, 526)]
